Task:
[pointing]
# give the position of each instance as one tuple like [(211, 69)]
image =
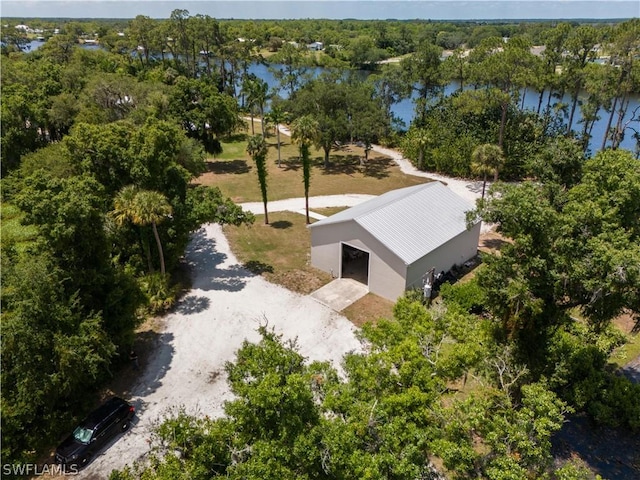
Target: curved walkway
[(471, 190), (297, 204)]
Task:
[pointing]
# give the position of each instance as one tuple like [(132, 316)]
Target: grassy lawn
[(328, 211), (369, 308), (234, 172), (280, 252)]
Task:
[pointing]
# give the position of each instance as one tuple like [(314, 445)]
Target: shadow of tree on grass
[(228, 166), (281, 224), (378, 167), (258, 267)]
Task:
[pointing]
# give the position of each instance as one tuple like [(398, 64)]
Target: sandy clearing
[(225, 306)]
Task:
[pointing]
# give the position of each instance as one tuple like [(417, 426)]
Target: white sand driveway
[(225, 306)]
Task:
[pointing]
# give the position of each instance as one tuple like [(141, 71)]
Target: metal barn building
[(390, 242)]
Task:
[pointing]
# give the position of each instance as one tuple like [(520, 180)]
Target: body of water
[(405, 109)]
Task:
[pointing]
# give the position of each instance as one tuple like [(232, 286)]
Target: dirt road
[(225, 306)]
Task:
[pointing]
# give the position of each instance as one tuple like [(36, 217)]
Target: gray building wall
[(455, 252), (389, 277), (386, 271)]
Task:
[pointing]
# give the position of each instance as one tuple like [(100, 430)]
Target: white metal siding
[(455, 252), (386, 271)]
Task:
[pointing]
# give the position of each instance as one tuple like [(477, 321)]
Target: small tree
[(257, 148)]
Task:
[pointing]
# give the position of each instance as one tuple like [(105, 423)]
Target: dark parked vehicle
[(95, 432)]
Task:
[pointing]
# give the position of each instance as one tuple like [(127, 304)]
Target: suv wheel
[(125, 425), (85, 460)]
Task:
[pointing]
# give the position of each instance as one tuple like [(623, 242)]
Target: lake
[(404, 109)]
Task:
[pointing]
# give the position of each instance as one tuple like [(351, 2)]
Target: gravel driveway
[(225, 306)]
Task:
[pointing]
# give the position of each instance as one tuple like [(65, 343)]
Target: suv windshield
[(83, 435)]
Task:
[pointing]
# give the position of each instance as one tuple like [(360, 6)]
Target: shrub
[(469, 296)]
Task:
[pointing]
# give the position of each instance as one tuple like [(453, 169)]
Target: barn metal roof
[(410, 222)]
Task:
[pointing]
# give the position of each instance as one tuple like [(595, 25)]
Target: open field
[(235, 174)]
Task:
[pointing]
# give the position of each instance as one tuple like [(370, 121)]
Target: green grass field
[(234, 172), (279, 251)]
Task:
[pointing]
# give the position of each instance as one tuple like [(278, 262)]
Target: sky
[(331, 9)]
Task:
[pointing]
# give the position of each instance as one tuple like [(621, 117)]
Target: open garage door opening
[(355, 264)]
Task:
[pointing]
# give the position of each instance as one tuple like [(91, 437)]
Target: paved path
[(297, 204), (471, 190)]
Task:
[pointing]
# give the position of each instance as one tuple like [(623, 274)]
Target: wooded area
[(100, 149)]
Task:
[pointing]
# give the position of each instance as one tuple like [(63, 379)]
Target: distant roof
[(410, 222)]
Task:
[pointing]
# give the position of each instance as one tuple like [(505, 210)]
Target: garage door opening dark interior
[(355, 264)]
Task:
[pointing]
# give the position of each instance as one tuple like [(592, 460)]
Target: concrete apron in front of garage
[(340, 293)]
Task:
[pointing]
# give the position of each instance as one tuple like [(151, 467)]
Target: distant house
[(317, 46), (390, 242), (537, 50)]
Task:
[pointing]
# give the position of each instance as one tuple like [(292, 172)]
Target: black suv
[(94, 432)]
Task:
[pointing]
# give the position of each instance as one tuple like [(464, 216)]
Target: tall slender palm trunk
[(155, 234)]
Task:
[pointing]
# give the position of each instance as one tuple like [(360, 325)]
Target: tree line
[(209, 61)]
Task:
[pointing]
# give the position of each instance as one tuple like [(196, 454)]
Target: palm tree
[(256, 91), (153, 208), (124, 211), (142, 207), (257, 148), (278, 116), (304, 131), (123, 205), (422, 139), (485, 159)]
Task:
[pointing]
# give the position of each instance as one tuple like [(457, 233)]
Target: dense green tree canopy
[(583, 253)]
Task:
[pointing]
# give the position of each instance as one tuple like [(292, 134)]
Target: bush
[(618, 403), (469, 296), (160, 295)]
